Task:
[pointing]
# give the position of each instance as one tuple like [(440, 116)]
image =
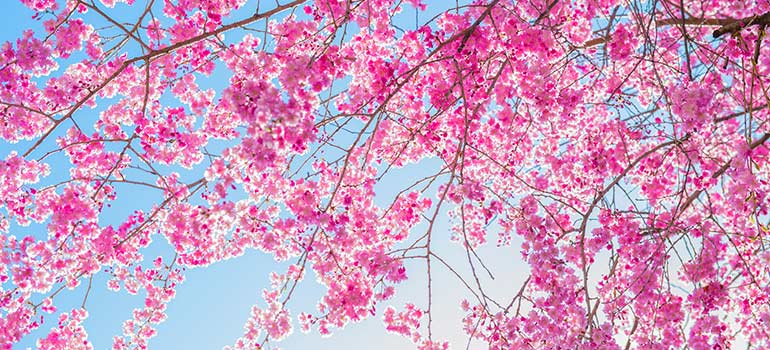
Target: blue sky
[(214, 302)]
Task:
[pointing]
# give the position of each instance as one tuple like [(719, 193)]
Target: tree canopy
[(615, 148)]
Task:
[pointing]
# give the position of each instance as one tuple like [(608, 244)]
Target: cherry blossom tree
[(618, 148)]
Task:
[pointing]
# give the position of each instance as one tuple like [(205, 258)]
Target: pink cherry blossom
[(612, 155)]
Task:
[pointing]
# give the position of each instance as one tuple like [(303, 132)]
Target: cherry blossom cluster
[(616, 149)]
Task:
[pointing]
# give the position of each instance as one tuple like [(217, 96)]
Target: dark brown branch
[(738, 114), (720, 172), (736, 25), (472, 28), (546, 12), (702, 22)]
